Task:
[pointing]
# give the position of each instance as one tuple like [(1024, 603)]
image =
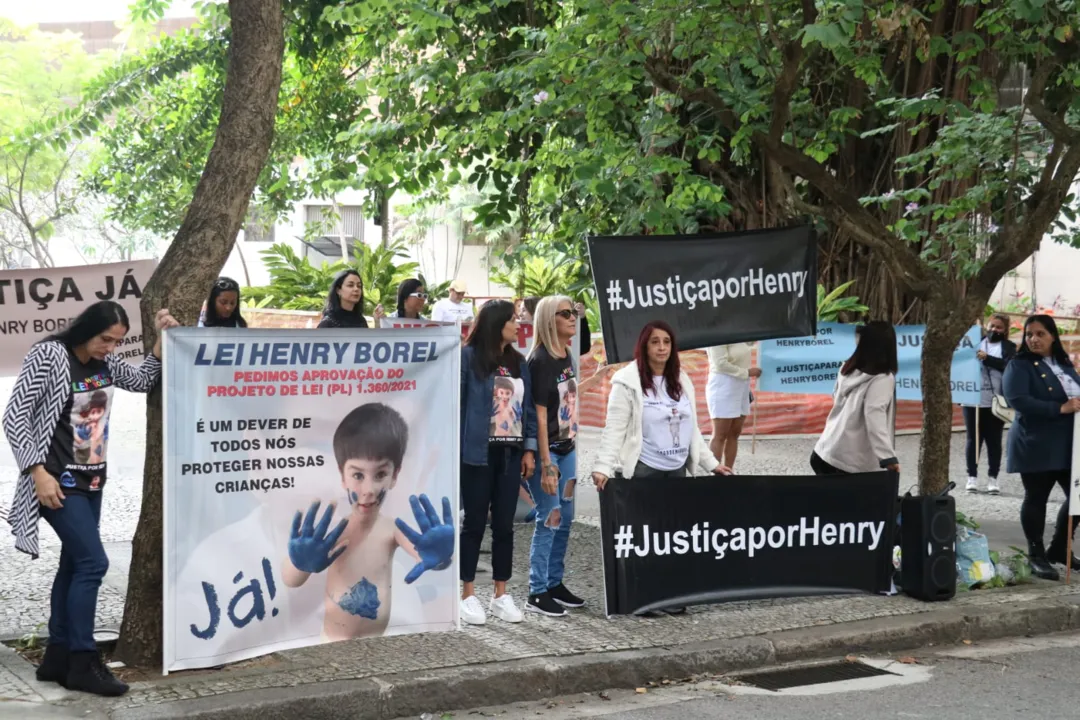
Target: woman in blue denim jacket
[(1043, 387), (498, 449)]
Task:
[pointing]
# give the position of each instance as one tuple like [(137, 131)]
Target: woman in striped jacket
[(57, 424)]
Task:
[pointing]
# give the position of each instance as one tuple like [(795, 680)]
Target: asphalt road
[(1029, 679)]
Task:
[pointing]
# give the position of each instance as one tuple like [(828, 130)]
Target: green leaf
[(828, 35)]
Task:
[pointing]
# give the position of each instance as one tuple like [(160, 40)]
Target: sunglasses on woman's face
[(421, 295), (567, 314)]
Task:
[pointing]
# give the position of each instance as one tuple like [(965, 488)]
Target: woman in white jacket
[(859, 434), (651, 428)]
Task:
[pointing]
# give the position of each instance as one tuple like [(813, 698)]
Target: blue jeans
[(553, 517), (83, 564)]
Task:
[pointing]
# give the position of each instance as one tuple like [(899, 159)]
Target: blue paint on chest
[(362, 600)]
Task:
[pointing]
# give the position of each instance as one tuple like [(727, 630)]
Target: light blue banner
[(810, 365)]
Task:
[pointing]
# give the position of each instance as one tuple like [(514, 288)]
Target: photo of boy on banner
[(262, 555), (568, 425), (369, 446), (506, 413), (91, 429)]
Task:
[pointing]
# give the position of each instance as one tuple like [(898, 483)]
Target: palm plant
[(831, 305), (297, 284), (550, 272)]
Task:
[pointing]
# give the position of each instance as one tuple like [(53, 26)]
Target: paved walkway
[(24, 588), (586, 631)]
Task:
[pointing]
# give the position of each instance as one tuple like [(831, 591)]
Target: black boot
[(88, 673), (54, 665), (1059, 546), (1040, 566), (1056, 554)]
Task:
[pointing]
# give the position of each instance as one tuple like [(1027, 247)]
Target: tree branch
[(787, 81), (913, 272), (1055, 124), (1024, 238)]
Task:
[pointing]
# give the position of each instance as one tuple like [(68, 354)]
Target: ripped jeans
[(553, 517)]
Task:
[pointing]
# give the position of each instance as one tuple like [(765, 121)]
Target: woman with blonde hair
[(552, 485)]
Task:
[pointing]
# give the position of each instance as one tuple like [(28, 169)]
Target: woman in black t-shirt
[(57, 424), (345, 302), (554, 390)]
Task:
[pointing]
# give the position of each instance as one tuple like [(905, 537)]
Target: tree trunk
[(185, 274), (949, 319)]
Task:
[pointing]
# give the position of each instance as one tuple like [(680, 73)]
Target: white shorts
[(727, 397)]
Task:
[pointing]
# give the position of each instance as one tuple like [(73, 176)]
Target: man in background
[(453, 308)]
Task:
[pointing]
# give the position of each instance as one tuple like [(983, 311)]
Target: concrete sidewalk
[(500, 663)]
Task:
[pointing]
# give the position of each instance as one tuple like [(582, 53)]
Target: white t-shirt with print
[(1067, 383), (446, 310), (666, 428)]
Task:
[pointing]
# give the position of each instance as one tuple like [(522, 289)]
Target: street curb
[(471, 686)]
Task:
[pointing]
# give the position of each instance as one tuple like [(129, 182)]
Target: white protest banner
[(310, 478), (1074, 488), (38, 302)]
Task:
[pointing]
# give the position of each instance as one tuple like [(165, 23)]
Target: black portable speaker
[(928, 547)]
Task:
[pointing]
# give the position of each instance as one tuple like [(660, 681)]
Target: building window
[(326, 224), (1015, 86), (326, 221)]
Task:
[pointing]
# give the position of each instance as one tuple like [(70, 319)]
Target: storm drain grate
[(811, 675)]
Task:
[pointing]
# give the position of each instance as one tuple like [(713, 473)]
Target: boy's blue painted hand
[(435, 541), (311, 549)]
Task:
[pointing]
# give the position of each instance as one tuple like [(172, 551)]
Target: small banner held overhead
[(712, 289), (38, 302)]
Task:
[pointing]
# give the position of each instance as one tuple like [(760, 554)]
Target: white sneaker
[(503, 607), (992, 486), (972, 485), (472, 612)]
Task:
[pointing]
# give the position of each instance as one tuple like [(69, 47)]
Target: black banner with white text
[(715, 539), (712, 289)]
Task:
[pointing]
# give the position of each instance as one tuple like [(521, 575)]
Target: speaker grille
[(943, 527), (943, 571)]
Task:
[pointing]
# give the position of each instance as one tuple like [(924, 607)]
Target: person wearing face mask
[(983, 427), (1043, 387)]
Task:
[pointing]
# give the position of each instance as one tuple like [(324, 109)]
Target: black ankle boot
[(1040, 566), (88, 673), (54, 665), (1056, 554)]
